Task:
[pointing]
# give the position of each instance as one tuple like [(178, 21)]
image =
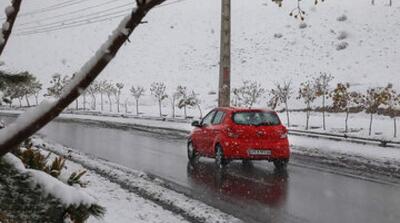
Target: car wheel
[(281, 164), (191, 151), (219, 157)]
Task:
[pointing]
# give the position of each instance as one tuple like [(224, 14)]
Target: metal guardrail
[(345, 137)]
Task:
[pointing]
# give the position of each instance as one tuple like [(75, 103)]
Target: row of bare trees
[(342, 98)]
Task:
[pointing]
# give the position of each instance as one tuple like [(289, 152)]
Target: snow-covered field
[(179, 44)]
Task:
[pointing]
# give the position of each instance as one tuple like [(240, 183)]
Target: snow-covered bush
[(342, 35), (342, 45), (190, 100), (303, 25), (342, 18), (278, 35)]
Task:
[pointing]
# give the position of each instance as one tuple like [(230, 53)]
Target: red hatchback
[(238, 133)]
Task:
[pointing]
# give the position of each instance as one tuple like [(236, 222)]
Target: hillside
[(179, 44)]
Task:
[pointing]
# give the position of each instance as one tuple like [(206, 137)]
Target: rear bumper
[(239, 149)]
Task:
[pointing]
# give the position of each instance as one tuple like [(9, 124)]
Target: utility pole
[(224, 90)]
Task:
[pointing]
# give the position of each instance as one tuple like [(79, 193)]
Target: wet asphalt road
[(253, 193)]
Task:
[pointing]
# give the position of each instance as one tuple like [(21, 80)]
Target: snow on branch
[(33, 120), (11, 15)]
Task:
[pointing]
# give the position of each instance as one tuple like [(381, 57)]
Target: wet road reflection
[(241, 182)]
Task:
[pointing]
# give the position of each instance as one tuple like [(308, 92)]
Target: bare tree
[(101, 88), (393, 104), (92, 90), (137, 93), (110, 90), (372, 100), (11, 16), (248, 94), (118, 92), (281, 95), (36, 88), (27, 124), (157, 89), (182, 94), (322, 90), (344, 99), (307, 93)]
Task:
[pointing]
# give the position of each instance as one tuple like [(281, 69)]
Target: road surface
[(253, 193)]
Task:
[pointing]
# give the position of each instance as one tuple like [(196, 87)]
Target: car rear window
[(256, 118), (218, 118)]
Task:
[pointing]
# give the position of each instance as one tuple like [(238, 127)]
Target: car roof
[(240, 109)]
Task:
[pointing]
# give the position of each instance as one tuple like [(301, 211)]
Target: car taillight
[(284, 134)]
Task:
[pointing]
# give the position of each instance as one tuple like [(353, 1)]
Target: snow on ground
[(124, 206), (121, 205)]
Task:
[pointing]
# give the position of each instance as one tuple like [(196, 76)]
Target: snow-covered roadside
[(132, 196)]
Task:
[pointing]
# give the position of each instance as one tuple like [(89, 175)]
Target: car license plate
[(259, 152)]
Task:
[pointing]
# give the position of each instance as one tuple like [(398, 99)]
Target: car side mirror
[(196, 124)]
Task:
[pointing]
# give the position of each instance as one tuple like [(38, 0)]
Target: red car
[(238, 133)]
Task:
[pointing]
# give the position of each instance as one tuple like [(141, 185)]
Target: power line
[(51, 8), (87, 16), (66, 14), (82, 22)]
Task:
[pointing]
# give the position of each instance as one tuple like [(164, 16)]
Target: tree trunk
[(94, 102), (173, 108), (20, 102), (346, 128), (323, 113), (27, 101), (159, 106), (307, 115), (101, 102), (137, 106), (37, 99), (21, 129), (84, 102), (201, 113), (184, 111), (77, 104), (118, 105), (370, 124), (126, 106), (394, 127), (287, 114), (10, 20), (110, 102)]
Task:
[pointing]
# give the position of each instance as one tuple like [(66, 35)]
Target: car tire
[(191, 152), (281, 164), (220, 161)]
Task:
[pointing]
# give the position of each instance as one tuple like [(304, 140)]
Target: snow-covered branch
[(11, 16), (33, 120)]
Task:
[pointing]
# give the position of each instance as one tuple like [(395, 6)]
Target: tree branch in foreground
[(33, 120), (11, 16)]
